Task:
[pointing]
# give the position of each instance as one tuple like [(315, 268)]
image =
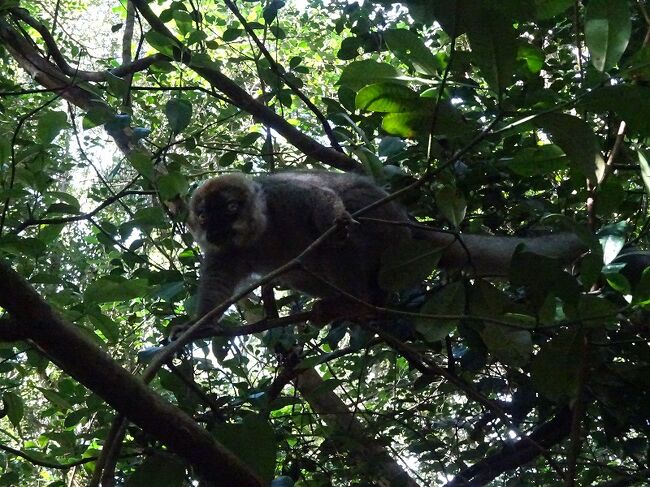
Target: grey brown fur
[(278, 217), (252, 226)]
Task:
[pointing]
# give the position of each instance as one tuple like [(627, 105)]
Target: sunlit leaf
[(607, 31), (179, 113)]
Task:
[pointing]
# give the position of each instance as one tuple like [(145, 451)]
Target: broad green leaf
[(642, 289), (388, 98), (630, 102), (232, 34), (533, 56), (118, 86), (493, 42), (141, 162), (607, 31), (50, 123), (644, 164), (407, 264), (30, 246), (14, 407), (253, 441), (358, 74), (410, 49), (98, 114), (57, 398), (114, 288), (546, 9), (227, 159), (537, 161), (371, 163), (183, 21), (408, 124), (450, 300), (578, 141), (161, 43), (105, 325), (596, 310), (555, 369), (452, 205), (172, 185), (511, 346), (179, 113), (270, 12), (159, 469), (612, 240)]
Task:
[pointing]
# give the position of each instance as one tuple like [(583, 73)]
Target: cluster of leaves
[(523, 115)]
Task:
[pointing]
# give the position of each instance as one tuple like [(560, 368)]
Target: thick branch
[(364, 447), (517, 454), (62, 63), (80, 357), (246, 102), (43, 71)]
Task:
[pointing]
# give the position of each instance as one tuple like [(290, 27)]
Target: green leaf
[(555, 368), (358, 74), (630, 102), (546, 9), (232, 34), (118, 86), (533, 56), (161, 43), (538, 161), (227, 159), (114, 288), (270, 12), (388, 98), (450, 300), (578, 141), (644, 163), (105, 325), (56, 398), (159, 469), (451, 204), (513, 347), (179, 113), (98, 114), (612, 239), (141, 162), (30, 246), (410, 49), (493, 42), (608, 27), (372, 164), (172, 185), (642, 289), (253, 441), (407, 264), (50, 123), (408, 124), (14, 407)]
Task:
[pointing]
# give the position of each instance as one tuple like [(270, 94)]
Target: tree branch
[(275, 67), (517, 454), (80, 357), (246, 102)]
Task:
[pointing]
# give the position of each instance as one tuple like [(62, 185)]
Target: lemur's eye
[(232, 207)]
